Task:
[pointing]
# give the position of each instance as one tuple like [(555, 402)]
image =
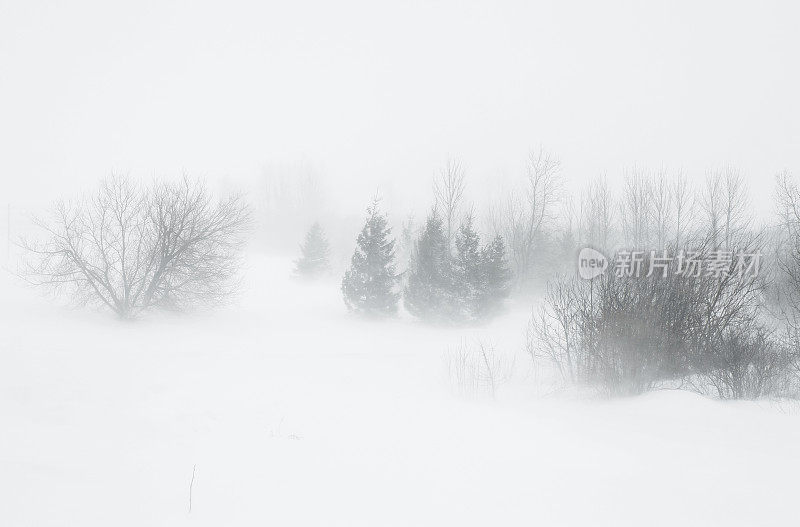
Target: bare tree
[(553, 331), (652, 209), (448, 190), (683, 199), (711, 206), (544, 186), (788, 251), (522, 216), (787, 195), (636, 209), (737, 207), (597, 213), (662, 207), (131, 248), (570, 217), (725, 207)]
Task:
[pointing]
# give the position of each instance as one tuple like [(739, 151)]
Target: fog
[(381, 95), (413, 263)]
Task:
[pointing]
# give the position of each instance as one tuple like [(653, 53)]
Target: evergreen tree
[(429, 292), (468, 285), (468, 268), (496, 277), (314, 253), (368, 285), (407, 240)]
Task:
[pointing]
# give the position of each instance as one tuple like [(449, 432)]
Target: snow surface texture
[(291, 412)]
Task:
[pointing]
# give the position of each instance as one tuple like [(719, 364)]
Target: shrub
[(131, 248)]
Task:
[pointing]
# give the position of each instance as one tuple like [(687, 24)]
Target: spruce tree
[(429, 292), (368, 285), (314, 253), (468, 268), (407, 240), (496, 277)]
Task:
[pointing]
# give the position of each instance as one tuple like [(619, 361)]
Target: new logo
[(591, 263)]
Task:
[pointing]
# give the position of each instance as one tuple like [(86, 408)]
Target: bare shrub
[(553, 333), (478, 370), (131, 248), (622, 336), (748, 362), (628, 335)]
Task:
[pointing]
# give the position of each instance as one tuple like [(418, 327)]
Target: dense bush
[(626, 335)]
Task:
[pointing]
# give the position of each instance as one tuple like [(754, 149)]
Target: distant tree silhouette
[(314, 253)]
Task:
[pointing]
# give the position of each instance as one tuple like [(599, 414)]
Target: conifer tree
[(465, 286), (406, 242), (496, 277), (429, 292), (368, 285), (468, 268), (314, 253)]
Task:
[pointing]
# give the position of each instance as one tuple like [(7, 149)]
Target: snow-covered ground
[(291, 412)]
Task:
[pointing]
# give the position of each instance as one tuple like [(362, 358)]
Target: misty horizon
[(381, 98)]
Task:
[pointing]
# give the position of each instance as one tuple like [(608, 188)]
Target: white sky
[(381, 93)]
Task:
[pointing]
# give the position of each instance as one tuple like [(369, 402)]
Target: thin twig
[(191, 484)]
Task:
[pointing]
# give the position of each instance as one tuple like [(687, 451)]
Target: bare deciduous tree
[(711, 206), (131, 248), (788, 251), (725, 206), (662, 200), (683, 198), (597, 214), (448, 190), (636, 209), (553, 333), (525, 212), (737, 207)]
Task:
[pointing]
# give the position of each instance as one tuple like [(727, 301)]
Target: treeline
[(465, 281), (445, 282), (714, 330), (726, 329), (450, 274)]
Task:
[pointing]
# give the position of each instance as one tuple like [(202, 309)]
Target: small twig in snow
[(191, 483)]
